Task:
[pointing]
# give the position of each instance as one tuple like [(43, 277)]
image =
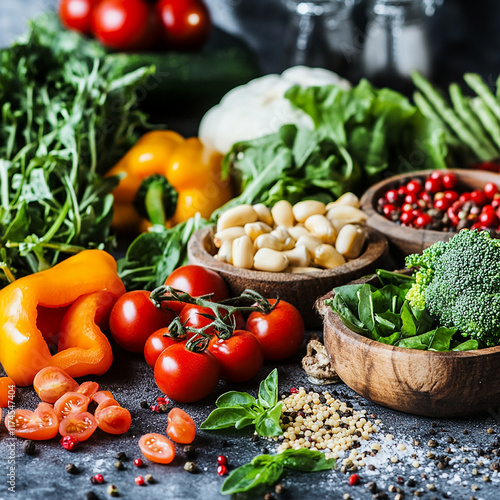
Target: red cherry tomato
[(197, 281), (186, 376), (38, 425), (7, 392), (134, 318), (157, 342), (77, 14), (157, 448), (88, 388), (101, 396), (71, 403), (78, 425), (449, 180), (181, 427), (51, 383), (279, 332), (240, 356), (185, 23), (124, 24), (105, 404), (114, 419)]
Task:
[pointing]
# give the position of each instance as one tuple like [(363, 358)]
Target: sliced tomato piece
[(7, 392), (101, 396), (88, 388), (38, 425), (181, 427), (157, 448), (114, 420), (71, 403), (78, 425), (105, 404), (51, 383)]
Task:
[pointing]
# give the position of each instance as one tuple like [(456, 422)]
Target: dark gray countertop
[(131, 380)]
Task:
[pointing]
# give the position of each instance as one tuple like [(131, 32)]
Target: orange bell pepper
[(83, 348), (162, 160)]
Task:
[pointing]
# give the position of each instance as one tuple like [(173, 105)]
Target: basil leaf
[(268, 390), (222, 418), (244, 422), (268, 424), (235, 398), (305, 460), (250, 476)]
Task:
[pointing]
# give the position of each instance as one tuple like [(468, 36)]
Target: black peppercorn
[(71, 469), (189, 451), (29, 447), (90, 495), (144, 404), (411, 482), (372, 487), (121, 455)]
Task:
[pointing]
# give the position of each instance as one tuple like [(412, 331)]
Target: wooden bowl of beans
[(418, 209), (300, 284), (429, 383)]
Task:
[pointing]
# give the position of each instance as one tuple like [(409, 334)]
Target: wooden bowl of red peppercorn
[(409, 232)]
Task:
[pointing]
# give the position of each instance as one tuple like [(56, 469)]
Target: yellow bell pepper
[(193, 172)]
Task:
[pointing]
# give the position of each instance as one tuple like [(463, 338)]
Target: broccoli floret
[(459, 283)]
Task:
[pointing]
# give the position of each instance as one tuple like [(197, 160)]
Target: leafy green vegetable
[(384, 314), (239, 409), (153, 255), (265, 470), (67, 112)]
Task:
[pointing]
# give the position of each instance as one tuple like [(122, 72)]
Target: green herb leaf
[(223, 418), (268, 424), (235, 398), (305, 460), (268, 390)]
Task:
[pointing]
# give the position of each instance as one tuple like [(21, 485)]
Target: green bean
[(483, 111), (476, 83)]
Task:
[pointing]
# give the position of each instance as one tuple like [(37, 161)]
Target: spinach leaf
[(365, 307), (468, 345)]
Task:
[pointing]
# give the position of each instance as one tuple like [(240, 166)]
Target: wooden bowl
[(301, 290), (406, 240), (433, 384)]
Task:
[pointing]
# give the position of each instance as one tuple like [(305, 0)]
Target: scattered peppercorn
[(222, 470), (90, 495), (162, 401), (191, 467), (381, 495), (121, 455), (432, 443), (400, 480), (189, 451), (268, 496), (432, 432), (150, 479), (112, 490), (163, 409), (411, 483), (144, 404), (222, 460), (372, 487), (138, 462), (431, 487), (278, 489), (71, 469), (139, 480), (29, 447), (97, 479), (119, 465), (354, 479), (465, 431), (69, 443), (490, 431)]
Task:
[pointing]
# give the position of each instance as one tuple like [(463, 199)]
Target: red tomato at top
[(240, 356), (77, 14), (186, 376), (280, 332), (186, 23), (196, 281), (124, 24), (134, 318)]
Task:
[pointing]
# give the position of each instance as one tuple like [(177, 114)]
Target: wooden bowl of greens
[(405, 240), (445, 382), (302, 289)]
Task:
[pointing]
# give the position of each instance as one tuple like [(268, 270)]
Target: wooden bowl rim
[(376, 248), (382, 224), (342, 330)]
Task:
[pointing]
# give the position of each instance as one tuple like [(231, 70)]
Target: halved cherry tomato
[(88, 388), (51, 383), (71, 403), (105, 404), (78, 425), (114, 420), (38, 425), (134, 318), (186, 376), (181, 427), (157, 342), (240, 356), (157, 448), (280, 332), (7, 392), (101, 396)]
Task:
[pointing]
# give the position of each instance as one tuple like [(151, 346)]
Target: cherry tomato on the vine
[(125, 24), (280, 332), (240, 356), (181, 427), (77, 14), (157, 342), (186, 376), (185, 23), (134, 318)]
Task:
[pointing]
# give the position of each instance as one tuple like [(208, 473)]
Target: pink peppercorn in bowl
[(415, 210)]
